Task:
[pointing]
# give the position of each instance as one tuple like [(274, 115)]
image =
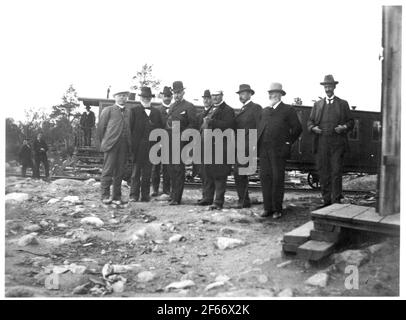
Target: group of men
[(33, 156), (125, 131)]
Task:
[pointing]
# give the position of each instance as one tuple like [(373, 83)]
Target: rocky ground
[(61, 241)]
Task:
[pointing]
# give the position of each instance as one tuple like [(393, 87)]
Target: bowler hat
[(146, 92), (245, 87), (167, 91), (276, 87), (88, 107), (177, 86), (328, 79), (206, 94)]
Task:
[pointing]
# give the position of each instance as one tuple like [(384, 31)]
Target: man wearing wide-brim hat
[(279, 128), (183, 114), (248, 118), (87, 123), (114, 133), (146, 119), (329, 122), (166, 96)]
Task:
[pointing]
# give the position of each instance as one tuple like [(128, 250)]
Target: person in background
[(157, 168), (329, 122), (87, 122), (25, 157), (40, 156)]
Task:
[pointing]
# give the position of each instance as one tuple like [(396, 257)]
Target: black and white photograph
[(201, 150)]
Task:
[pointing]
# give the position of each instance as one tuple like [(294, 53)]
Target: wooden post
[(389, 180)]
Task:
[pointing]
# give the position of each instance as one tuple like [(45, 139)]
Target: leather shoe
[(215, 207), (154, 194), (107, 200), (204, 203), (276, 215), (145, 199), (265, 214)]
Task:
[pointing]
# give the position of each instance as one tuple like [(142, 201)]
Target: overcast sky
[(93, 44)]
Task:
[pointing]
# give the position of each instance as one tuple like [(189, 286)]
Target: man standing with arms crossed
[(114, 132)]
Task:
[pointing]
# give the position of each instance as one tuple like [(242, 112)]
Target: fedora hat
[(245, 87), (177, 86), (206, 94), (167, 91), (328, 79), (276, 87), (146, 92)]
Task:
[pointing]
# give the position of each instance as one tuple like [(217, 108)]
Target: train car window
[(376, 130), (354, 133)]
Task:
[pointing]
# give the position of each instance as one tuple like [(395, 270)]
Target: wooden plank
[(326, 210), (347, 213), (392, 220), (326, 236), (315, 250), (299, 235), (288, 247), (368, 217), (324, 226)]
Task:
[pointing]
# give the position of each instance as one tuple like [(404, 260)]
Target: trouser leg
[(122, 158), (177, 174), (146, 179), (23, 170), (156, 176), (46, 165), (241, 183), (323, 159), (220, 185), (135, 181), (266, 180), (336, 163), (278, 181), (209, 187), (166, 181), (109, 164)]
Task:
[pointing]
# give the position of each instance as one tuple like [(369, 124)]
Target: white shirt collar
[(246, 103), (165, 105), (120, 106), (216, 105), (276, 104), (332, 97)]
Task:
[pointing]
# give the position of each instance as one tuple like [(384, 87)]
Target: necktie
[(330, 101)]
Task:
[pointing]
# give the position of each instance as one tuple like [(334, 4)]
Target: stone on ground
[(28, 239), (146, 276), (318, 280), (224, 243), (93, 221), (16, 197), (180, 285), (350, 257)]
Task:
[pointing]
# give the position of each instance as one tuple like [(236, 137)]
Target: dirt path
[(138, 234)]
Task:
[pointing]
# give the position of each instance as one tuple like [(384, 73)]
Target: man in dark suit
[(221, 116), (248, 118), (279, 128), (25, 157), (87, 122), (157, 168), (184, 113), (114, 132), (40, 156), (145, 119), (198, 168), (330, 120)]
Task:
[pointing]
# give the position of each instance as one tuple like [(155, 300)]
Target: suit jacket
[(164, 113), (222, 118), (142, 126), (111, 125), (25, 155), (248, 118), (37, 145), (202, 115), (345, 118), (184, 112), (284, 128), (87, 120)]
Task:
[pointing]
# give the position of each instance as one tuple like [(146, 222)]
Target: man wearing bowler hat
[(145, 119), (208, 106), (156, 168), (184, 113), (220, 117), (248, 118), (87, 121), (330, 120), (114, 133), (279, 128)]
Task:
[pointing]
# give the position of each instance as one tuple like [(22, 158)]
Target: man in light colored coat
[(114, 133)]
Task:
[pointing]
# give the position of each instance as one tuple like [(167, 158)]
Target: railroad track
[(230, 186)]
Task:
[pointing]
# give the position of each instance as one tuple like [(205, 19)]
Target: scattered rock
[(247, 293), (224, 243), (376, 248), (214, 285), (118, 287), (177, 238), (82, 289), (92, 220), (72, 199), (77, 269), (53, 200), (146, 276), (19, 291), (32, 228), (44, 224), (90, 181), (350, 257), (62, 225), (222, 278), (180, 285), (258, 262), (57, 241), (28, 239), (262, 278), (284, 264), (96, 185), (318, 280), (16, 197), (163, 197), (286, 293), (67, 182), (65, 281)]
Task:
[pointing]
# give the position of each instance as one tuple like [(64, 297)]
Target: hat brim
[(246, 90), (178, 90), (120, 92), (151, 96), (281, 91), (324, 83)]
